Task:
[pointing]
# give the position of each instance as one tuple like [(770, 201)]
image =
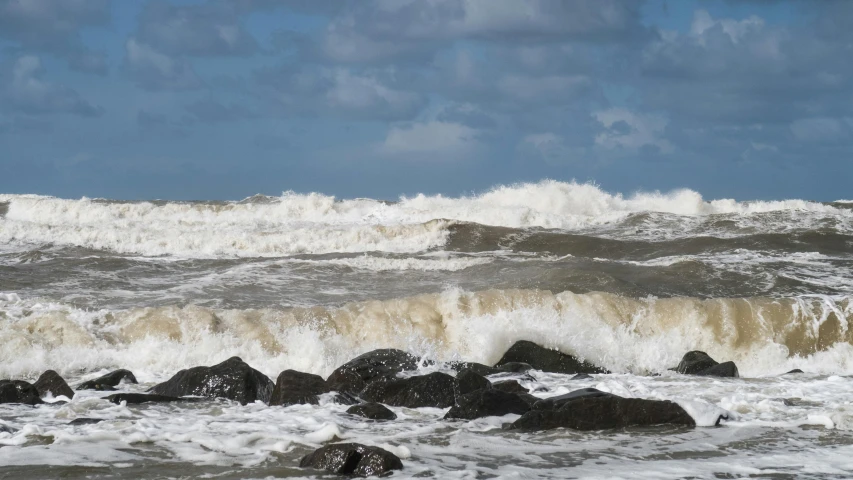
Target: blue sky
[(222, 99)]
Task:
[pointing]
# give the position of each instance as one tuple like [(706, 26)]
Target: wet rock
[(509, 386), (6, 429), (373, 411), (352, 459), (139, 398), (467, 381), (51, 383), (293, 388), (477, 368), (796, 370), (381, 364), (19, 391), (725, 369), (433, 390), (487, 403), (582, 376), (559, 401), (85, 421), (109, 381), (546, 360), (233, 379), (600, 411), (515, 367), (700, 363)]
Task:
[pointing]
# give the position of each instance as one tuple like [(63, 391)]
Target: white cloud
[(735, 29), (28, 92), (443, 139), (642, 130)]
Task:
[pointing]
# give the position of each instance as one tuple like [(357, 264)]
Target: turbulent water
[(308, 282)]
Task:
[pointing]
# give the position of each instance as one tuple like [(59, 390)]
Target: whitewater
[(629, 282)]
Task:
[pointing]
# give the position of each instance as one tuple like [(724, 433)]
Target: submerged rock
[(700, 363), (467, 381), (293, 388), (109, 381), (139, 398), (7, 429), (433, 390), (515, 367), (487, 403), (582, 376), (796, 370), (352, 459), (380, 364), (233, 379), (477, 368), (546, 360), (19, 391), (591, 409), (51, 383), (509, 386), (373, 411), (86, 421)]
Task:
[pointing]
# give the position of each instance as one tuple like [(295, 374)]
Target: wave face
[(628, 335)]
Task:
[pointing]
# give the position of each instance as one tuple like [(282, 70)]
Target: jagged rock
[(85, 421), (356, 374), (138, 398), (373, 411), (487, 403), (477, 368), (293, 388), (700, 363), (582, 376), (725, 369), (51, 383), (553, 403), (589, 410), (515, 367), (467, 381), (433, 390), (233, 379), (509, 386), (352, 459), (19, 391), (546, 360), (109, 381)]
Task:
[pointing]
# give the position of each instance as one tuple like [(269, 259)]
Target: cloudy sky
[(221, 99)]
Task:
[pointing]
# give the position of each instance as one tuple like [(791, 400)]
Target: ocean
[(307, 282)]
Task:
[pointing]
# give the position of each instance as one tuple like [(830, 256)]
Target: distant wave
[(314, 223)]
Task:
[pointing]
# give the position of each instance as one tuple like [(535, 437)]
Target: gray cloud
[(25, 90), (154, 70), (53, 26)]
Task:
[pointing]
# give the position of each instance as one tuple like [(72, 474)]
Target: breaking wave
[(637, 335)]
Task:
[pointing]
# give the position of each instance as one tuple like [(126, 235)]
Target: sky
[(223, 99)]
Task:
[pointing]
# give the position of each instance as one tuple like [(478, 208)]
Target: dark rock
[(509, 386), (433, 390), (515, 367), (352, 459), (356, 374), (6, 429), (233, 379), (373, 411), (546, 360), (85, 421), (582, 376), (694, 362), (477, 368), (796, 370), (590, 411), (50, 382), (293, 388), (528, 398), (725, 369), (467, 381), (487, 403), (138, 398), (553, 403), (19, 391), (109, 381)]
